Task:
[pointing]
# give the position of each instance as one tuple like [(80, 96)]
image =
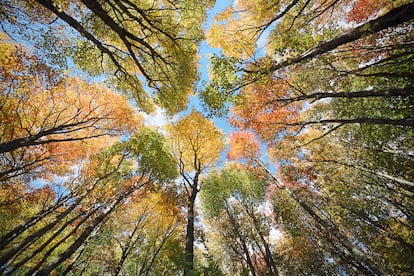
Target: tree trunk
[(189, 238), (132, 240), (392, 18), (33, 237), (34, 140), (48, 242), (369, 121), (83, 236), (364, 263), (242, 240), (10, 236), (270, 262), (394, 92)]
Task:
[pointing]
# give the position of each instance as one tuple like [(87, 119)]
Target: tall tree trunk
[(270, 262), (189, 237), (46, 255), (48, 241), (46, 270), (236, 228), (35, 139), (409, 122), (392, 92), (10, 236), (394, 17), (81, 250), (35, 236)]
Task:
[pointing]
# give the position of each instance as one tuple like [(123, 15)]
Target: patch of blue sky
[(205, 52), (58, 183), (159, 119)]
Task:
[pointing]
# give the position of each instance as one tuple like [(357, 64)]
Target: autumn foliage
[(364, 9), (319, 177), (243, 145), (59, 118), (257, 109)]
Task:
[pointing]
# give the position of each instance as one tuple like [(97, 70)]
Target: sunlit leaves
[(48, 115), (257, 109), (326, 114), (363, 9), (218, 93), (138, 237), (153, 154), (237, 28), (243, 145), (229, 182), (156, 41), (196, 142)]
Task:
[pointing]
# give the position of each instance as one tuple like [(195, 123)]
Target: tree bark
[(395, 92), (369, 121), (189, 238)]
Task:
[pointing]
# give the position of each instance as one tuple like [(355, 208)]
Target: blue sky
[(205, 52)]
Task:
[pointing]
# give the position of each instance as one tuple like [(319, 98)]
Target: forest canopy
[(311, 173)]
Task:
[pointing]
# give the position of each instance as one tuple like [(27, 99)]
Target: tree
[(230, 200), (196, 144), (285, 57), (365, 182), (332, 108), (135, 238), (50, 121), (136, 44), (295, 187)]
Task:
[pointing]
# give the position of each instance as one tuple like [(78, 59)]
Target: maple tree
[(50, 121), (363, 9), (196, 144)]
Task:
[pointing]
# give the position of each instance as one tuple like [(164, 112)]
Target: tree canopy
[(313, 173)]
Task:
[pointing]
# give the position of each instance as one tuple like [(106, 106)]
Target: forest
[(286, 145)]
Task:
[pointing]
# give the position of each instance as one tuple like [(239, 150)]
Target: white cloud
[(159, 119)]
